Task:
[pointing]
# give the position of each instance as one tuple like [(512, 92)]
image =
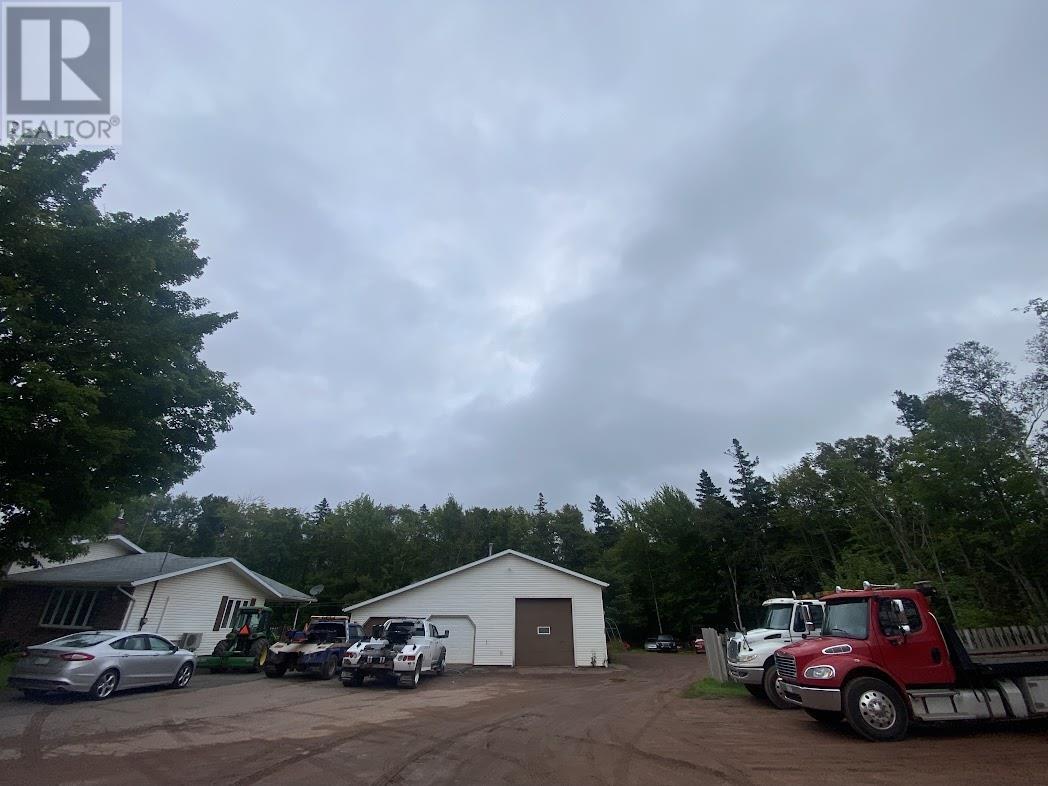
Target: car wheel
[(825, 717), (105, 685), (183, 676), (355, 680), (876, 710), (772, 691)]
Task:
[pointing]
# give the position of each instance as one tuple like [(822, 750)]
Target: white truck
[(751, 653), (401, 650)]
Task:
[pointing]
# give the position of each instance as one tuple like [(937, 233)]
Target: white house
[(116, 585), (509, 609)]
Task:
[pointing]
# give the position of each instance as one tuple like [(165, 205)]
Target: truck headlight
[(746, 658), (820, 672)]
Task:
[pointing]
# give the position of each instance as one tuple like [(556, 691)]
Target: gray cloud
[(490, 250)]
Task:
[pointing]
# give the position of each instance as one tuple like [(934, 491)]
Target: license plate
[(41, 661)]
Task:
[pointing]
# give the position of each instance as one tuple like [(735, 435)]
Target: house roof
[(147, 567), (467, 566)]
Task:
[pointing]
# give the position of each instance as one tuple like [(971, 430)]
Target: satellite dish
[(316, 590)]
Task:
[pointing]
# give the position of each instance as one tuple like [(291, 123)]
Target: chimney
[(119, 525)]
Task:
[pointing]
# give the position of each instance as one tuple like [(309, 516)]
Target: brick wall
[(22, 606)]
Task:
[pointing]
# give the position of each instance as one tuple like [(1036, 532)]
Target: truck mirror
[(898, 613), (446, 634)]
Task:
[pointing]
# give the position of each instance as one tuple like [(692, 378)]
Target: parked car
[(651, 644), (101, 662), (700, 646), (666, 643)]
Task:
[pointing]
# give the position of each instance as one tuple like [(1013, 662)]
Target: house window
[(232, 607), (543, 630), (69, 608)]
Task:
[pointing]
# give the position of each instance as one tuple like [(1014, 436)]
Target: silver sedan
[(101, 662)]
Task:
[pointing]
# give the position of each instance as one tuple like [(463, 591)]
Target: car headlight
[(746, 658), (820, 672)]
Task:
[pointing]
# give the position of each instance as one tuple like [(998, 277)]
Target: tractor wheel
[(355, 679), (260, 652), (219, 651), (329, 668)]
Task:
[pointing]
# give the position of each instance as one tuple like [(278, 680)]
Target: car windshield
[(665, 637), (777, 616), (80, 640), (847, 618)]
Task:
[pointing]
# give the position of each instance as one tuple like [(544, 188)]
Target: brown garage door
[(544, 634)]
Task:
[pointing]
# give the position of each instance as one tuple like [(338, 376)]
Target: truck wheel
[(354, 680), (825, 717), (876, 710), (755, 690), (438, 667), (275, 667), (328, 669), (772, 691), (412, 680), (260, 652)]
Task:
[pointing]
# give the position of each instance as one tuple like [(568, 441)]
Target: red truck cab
[(884, 661)]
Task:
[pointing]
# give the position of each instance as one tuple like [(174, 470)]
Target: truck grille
[(786, 665), (733, 649)]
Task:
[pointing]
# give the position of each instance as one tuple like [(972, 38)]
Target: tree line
[(959, 498)]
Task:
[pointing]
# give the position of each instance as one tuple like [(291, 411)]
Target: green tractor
[(246, 646)]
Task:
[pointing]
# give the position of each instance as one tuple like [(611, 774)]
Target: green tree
[(103, 395)]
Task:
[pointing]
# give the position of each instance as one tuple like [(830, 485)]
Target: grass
[(7, 663), (709, 688)]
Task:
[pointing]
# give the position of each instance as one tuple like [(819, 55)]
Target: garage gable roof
[(469, 565)]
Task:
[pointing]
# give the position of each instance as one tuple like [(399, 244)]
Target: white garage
[(509, 609)]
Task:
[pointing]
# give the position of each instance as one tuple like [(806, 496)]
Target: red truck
[(883, 661)]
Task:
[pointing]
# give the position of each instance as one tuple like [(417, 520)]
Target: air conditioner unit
[(190, 641)]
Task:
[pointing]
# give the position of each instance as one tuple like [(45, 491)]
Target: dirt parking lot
[(618, 726)]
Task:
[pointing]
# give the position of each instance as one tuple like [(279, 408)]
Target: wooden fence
[(716, 654), (1017, 638)]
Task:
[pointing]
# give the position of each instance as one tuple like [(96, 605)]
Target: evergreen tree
[(321, 511), (707, 491)]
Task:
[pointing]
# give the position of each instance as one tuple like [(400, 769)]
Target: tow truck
[(400, 651), (751, 653), (317, 649), (884, 661)]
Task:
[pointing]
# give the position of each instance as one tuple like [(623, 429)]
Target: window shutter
[(221, 608)]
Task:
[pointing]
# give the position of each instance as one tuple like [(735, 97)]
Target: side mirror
[(809, 624), (899, 615), (446, 634)]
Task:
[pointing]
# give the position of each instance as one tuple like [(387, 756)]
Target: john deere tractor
[(246, 646)]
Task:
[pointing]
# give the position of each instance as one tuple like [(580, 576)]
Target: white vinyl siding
[(189, 604), (486, 594), (102, 550)]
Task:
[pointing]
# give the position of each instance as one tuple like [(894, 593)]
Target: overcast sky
[(492, 249)]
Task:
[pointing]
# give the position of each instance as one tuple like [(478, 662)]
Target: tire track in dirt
[(31, 744)]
